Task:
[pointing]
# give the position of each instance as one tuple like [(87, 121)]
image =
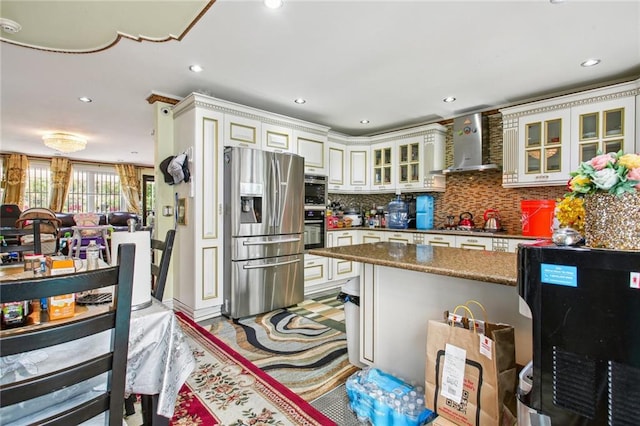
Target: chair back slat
[(110, 365), (56, 380), (159, 272)]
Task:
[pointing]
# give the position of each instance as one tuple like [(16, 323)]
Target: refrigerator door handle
[(278, 217), (263, 243), (270, 265)]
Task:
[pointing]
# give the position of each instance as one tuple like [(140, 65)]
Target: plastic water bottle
[(93, 253)]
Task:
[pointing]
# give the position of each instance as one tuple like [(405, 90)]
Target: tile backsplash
[(472, 192)]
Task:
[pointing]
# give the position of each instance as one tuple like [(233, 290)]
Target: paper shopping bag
[(483, 376)]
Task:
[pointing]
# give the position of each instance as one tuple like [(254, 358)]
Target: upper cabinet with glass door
[(410, 163), (545, 148), (603, 127), (382, 167), (544, 141)]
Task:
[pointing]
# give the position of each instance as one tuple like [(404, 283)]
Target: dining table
[(159, 358)]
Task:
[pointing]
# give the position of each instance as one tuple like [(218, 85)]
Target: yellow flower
[(630, 161), (570, 212)]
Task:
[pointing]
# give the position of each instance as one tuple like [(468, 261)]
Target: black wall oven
[(314, 228), (315, 191), (315, 203)]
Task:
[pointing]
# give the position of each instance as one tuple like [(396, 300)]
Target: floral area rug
[(307, 357), (226, 389)]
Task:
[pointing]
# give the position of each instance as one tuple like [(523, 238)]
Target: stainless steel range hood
[(470, 144)]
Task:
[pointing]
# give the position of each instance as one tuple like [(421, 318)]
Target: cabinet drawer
[(440, 240), (474, 243)]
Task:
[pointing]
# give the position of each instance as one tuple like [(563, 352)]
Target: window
[(36, 193), (93, 188)]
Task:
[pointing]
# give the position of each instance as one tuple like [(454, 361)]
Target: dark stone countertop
[(480, 265)]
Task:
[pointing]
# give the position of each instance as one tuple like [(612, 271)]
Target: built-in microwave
[(314, 228), (315, 191)]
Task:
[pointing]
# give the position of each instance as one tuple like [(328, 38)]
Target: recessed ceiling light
[(300, 101), (85, 99), (364, 121), (196, 68), (449, 99), (590, 62), (273, 4), (9, 26)]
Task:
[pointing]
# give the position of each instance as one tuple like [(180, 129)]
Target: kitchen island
[(403, 286)]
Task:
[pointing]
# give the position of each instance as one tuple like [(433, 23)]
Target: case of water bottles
[(382, 399)]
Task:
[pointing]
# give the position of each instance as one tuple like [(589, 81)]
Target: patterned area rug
[(306, 356), (226, 389), (324, 308)]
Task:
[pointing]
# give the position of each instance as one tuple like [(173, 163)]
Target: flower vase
[(611, 221)]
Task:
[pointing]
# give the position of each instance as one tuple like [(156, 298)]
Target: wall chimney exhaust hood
[(470, 144)]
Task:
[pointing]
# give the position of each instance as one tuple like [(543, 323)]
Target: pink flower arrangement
[(615, 173)]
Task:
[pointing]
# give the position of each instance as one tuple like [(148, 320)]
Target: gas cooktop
[(458, 229)]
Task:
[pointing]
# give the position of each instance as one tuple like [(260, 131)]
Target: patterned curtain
[(60, 179), (130, 184), (16, 166)]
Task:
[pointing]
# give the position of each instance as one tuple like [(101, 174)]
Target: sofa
[(118, 220)]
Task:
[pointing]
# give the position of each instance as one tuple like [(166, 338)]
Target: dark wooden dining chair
[(108, 396), (159, 272)]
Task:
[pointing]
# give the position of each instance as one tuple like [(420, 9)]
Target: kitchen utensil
[(492, 220), (566, 237), (466, 221), (450, 222)]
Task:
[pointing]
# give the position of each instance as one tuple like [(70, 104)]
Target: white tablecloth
[(159, 362)]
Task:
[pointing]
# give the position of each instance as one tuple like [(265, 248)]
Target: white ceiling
[(391, 62)]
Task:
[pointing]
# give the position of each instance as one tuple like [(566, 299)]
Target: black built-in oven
[(315, 202), (314, 228), (315, 191)]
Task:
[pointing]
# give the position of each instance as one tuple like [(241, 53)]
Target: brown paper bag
[(490, 380)]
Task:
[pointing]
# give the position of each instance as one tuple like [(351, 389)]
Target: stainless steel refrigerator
[(263, 231)]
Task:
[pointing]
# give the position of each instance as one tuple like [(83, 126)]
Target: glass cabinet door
[(600, 132), (382, 166), (409, 163), (543, 146)]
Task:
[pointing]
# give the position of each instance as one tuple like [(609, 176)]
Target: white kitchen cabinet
[(242, 131), (277, 138), (336, 176), (342, 269), (473, 242), (313, 148), (544, 141), (316, 270), (198, 251), (399, 237), (357, 168), (607, 126), (442, 240), (383, 166), (410, 166), (434, 158), (372, 236)]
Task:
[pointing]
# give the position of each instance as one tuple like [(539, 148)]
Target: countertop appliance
[(263, 231), (586, 341), (470, 144)]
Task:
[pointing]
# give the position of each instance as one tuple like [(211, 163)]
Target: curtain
[(60, 179), (16, 166), (130, 185)]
